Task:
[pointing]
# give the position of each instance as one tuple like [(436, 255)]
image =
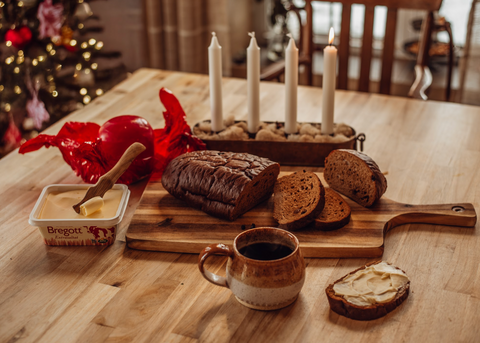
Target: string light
[(80, 1), (53, 52), (20, 3), (86, 99), (41, 58), (1, 88), (50, 78), (92, 41), (84, 45), (99, 92), (20, 52), (16, 70), (73, 42), (17, 90), (86, 55), (49, 47), (58, 67), (78, 66), (54, 94), (20, 59), (7, 107), (83, 91), (34, 62), (2, 4), (99, 45), (87, 71), (8, 43), (81, 26), (9, 60), (94, 66)]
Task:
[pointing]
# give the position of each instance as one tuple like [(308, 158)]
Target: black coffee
[(265, 251)]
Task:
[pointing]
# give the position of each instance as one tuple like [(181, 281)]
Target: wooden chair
[(423, 76)]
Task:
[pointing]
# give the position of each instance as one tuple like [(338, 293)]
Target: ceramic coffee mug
[(265, 268)]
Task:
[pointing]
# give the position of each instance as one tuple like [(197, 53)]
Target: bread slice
[(355, 175), (335, 214), (298, 200), (345, 308)]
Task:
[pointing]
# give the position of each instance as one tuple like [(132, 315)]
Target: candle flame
[(331, 36)]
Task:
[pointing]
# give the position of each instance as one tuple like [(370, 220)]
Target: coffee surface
[(265, 251)]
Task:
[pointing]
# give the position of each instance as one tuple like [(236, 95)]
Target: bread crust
[(339, 305), (222, 184), (376, 176)]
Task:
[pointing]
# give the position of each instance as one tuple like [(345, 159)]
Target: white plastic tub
[(88, 231)]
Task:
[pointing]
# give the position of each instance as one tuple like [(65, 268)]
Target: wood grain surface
[(163, 223), (430, 152)]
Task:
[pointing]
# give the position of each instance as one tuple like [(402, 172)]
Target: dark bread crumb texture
[(355, 175), (298, 200), (339, 305), (336, 213), (222, 184)]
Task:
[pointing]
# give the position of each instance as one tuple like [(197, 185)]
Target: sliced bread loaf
[(335, 214), (222, 184), (369, 292), (355, 175), (298, 200)]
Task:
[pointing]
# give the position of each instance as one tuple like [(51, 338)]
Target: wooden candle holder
[(286, 152)]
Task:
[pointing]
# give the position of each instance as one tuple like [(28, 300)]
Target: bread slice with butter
[(369, 292)]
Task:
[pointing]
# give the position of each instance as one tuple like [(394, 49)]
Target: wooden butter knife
[(108, 179)]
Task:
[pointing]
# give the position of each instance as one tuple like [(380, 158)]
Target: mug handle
[(220, 249)]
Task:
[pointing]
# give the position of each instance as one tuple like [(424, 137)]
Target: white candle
[(253, 85), (329, 76), (291, 85), (215, 73)]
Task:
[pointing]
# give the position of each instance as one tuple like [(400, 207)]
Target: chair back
[(367, 41)]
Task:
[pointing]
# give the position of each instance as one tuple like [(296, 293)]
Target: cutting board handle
[(462, 214)]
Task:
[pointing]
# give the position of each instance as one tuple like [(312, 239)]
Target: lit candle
[(215, 73), (253, 84), (291, 84), (329, 76)]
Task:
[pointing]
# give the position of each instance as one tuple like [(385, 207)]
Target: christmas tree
[(50, 65)]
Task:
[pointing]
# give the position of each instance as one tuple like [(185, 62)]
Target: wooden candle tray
[(286, 152)]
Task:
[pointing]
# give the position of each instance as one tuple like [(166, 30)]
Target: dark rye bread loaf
[(339, 305), (298, 200), (222, 184), (355, 175), (335, 214)]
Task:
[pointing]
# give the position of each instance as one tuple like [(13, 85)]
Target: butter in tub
[(59, 224)]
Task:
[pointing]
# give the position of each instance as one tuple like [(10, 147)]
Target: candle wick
[(290, 35), (251, 34)]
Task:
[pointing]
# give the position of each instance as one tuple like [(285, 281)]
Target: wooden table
[(430, 150)]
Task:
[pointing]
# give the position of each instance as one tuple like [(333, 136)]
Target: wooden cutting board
[(164, 223)]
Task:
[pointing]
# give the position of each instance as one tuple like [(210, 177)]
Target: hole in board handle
[(458, 209)]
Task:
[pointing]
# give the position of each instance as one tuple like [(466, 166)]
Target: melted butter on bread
[(376, 284)]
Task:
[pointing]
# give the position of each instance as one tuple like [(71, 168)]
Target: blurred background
[(58, 55)]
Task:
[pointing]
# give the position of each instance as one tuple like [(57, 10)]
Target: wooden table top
[(429, 150)]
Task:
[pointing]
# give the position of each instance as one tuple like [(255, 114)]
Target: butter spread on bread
[(376, 284)]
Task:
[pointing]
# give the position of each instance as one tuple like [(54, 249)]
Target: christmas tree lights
[(49, 65)]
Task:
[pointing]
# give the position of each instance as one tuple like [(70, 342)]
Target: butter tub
[(82, 230)]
